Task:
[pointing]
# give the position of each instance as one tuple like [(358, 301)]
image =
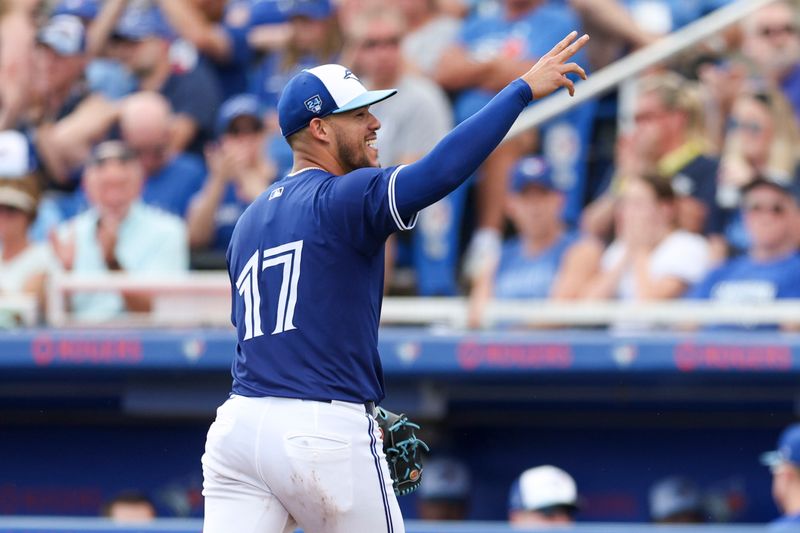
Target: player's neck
[(324, 163)]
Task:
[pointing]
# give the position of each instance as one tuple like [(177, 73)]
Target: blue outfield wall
[(53, 466), (71, 525), (424, 352)]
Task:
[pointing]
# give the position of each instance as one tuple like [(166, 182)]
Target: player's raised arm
[(462, 151)]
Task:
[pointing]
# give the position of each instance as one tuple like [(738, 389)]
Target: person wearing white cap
[(543, 495), (298, 442), (23, 264)]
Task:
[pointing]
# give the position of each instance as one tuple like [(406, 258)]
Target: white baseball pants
[(274, 464)]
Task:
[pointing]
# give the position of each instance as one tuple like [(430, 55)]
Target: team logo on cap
[(314, 104), (348, 75)]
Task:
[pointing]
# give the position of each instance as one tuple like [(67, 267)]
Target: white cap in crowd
[(543, 487)]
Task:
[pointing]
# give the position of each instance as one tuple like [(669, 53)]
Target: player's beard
[(352, 154)]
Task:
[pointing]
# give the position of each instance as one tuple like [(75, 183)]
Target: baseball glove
[(403, 450)]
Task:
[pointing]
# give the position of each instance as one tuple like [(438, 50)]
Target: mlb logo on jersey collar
[(321, 91)]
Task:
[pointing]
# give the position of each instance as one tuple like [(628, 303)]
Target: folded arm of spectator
[(17, 35), (604, 285), (66, 144), (191, 24), (649, 287), (200, 217), (103, 25), (457, 70), (579, 265), (612, 17), (597, 218), (480, 294)]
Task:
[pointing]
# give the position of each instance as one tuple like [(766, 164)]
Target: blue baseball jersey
[(306, 266)]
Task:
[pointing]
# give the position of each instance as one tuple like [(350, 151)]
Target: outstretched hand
[(550, 72)]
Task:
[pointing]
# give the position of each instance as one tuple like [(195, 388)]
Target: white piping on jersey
[(304, 169), (393, 204)]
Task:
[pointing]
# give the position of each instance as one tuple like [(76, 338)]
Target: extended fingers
[(557, 49), (572, 49)]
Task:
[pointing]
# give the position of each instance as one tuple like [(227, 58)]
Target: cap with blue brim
[(322, 91), (788, 449)]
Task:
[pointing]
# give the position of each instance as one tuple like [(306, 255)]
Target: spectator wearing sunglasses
[(771, 268), (772, 43), (238, 171), (761, 140), (171, 179)]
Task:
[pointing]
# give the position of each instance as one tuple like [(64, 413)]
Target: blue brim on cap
[(773, 458), (365, 99)]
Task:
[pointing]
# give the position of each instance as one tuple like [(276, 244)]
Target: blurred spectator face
[(440, 510), (142, 57), (535, 209), (540, 518), (785, 482), (308, 34), (640, 207), (113, 185), (213, 9), (131, 512), (752, 123), (521, 5), (379, 50), (655, 124), (771, 216), (59, 72), (413, 9), (144, 121), (246, 134), (13, 222), (771, 38)]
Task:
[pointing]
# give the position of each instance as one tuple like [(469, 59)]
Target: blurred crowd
[(547, 496), (133, 133)]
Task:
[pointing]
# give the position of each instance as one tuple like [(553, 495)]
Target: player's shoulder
[(362, 178)]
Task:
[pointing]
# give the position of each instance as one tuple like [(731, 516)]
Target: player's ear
[(319, 129)]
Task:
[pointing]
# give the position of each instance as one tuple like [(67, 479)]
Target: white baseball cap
[(543, 487), (15, 154)]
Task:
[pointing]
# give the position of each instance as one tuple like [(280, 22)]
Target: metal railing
[(629, 66), (100, 525), (204, 299)]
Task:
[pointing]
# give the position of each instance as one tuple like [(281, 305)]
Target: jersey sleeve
[(362, 207)]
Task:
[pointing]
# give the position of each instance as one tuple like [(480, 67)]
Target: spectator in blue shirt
[(762, 140), (785, 465), (176, 72), (529, 264), (170, 179), (238, 171), (771, 268), (492, 49), (772, 43), (315, 38), (218, 35)]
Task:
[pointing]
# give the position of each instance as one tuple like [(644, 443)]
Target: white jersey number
[(289, 255)]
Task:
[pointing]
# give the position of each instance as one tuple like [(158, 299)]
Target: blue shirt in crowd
[(744, 280), (173, 186), (520, 275)]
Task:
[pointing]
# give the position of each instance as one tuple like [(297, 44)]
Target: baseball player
[(297, 444)]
